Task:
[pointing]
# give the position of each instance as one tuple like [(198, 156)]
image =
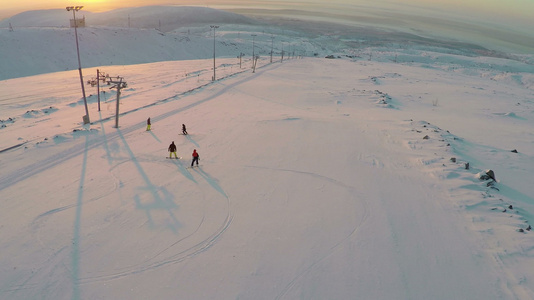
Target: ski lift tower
[(119, 84)]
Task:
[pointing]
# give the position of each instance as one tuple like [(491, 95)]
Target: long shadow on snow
[(211, 181), (75, 249), (75, 254), (189, 138), (183, 170), (155, 136), (158, 203), (106, 147)]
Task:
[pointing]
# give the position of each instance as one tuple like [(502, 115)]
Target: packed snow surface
[(346, 178)]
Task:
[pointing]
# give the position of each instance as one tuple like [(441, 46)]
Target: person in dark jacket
[(172, 150), (184, 131), (148, 124), (195, 157)]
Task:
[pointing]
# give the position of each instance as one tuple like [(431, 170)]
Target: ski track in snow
[(357, 198), (165, 256), (168, 258)]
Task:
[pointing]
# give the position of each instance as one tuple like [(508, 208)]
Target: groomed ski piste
[(320, 178)]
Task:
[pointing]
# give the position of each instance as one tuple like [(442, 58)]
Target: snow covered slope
[(319, 179), (341, 178)]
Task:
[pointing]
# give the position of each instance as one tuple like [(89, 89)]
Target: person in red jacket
[(148, 124), (195, 157)]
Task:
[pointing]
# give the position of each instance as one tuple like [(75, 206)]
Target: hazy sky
[(520, 10)]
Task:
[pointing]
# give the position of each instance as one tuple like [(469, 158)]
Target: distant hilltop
[(164, 18), (37, 42), (43, 42)]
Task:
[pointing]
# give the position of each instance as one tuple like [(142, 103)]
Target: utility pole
[(254, 62), (240, 56), (74, 9), (214, 27), (253, 55), (272, 44), (289, 51), (118, 84)]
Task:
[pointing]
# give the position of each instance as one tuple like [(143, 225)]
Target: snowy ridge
[(165, 18), (42, 42), (476, 195)]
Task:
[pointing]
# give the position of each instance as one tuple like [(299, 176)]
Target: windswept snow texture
[(355, 177)]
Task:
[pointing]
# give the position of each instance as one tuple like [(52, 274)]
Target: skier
[(148, 124), (195, 157), (172, 150), (184, 131)]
